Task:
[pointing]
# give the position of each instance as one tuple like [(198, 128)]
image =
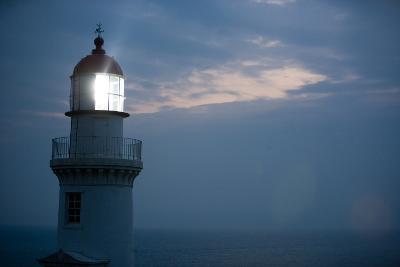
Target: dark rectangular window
[(73, 207)]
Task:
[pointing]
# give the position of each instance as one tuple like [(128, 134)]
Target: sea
[(21, 246)]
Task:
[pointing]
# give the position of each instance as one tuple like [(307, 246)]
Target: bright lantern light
[(107, 93), (101, 87)]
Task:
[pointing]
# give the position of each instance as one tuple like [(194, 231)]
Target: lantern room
[(97, 83)]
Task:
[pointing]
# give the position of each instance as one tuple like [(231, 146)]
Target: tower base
[(71, 259)]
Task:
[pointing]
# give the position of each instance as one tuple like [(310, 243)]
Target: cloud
[(231, 82), (275, 2), (262, 42), (49, 114), (346, 78), (341, 16)]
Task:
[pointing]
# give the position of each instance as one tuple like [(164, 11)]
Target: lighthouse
[(95, 166)]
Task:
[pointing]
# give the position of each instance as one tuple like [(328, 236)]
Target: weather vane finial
[(99, 30)]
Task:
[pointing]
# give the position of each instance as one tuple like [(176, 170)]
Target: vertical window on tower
[(73, 200)]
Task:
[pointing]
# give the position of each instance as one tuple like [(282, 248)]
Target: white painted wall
[(96, 125), (100, 134), (106, 228)]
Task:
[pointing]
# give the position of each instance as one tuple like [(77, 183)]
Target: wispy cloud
[(275, 2), (49, 114), (265, 43), (341, 16), (346, 78), (232, 82)]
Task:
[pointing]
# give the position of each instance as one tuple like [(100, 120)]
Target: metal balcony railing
[(96, 147)]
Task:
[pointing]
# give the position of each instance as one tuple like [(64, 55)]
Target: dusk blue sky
[(254, 114)]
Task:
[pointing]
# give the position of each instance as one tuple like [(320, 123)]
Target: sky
[(254, 114)]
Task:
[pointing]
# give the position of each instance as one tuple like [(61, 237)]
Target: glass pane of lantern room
[(121, 87), (121, 103), (114, 85), (101, 87), (75, 94), (114, 102), (86, 92)]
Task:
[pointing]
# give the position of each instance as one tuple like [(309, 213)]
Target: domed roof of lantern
[(98, 61)]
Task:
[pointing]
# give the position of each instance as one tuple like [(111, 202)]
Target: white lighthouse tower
[(96, 167)]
